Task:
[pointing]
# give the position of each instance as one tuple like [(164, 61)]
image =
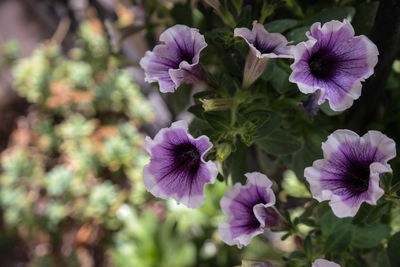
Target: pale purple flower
[(324, 263), (177, 167), (176, 60), (335, 62), (249, 211), (263, 46), (349, 173), (311, 104)]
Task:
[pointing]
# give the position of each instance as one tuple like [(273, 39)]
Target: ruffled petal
[(349, 173), (335, 62), (177, 167), (248, 208), (176, 60)]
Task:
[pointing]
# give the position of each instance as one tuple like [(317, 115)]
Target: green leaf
[(280, 25), (329, 222), (298, 34), (307, 244), (340, 239), (294, 7), (327, 109), (279, 77), (197, 110), (180, 99), (245, 19), (334, 13), (311, 151), (221, 37), (259, 118), (368, 214), (238, 5), (269, 125), (297, 255), (279, 142), (386, 180), (199, 127), (393, 250), (369, 236), (236, 164), (218, 120), (203, 94)]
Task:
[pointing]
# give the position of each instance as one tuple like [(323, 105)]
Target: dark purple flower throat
[(323, 64), (187, 156)]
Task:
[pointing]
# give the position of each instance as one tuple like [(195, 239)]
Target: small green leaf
[(197, 110), (236, 164), (294, 7), (259, 118), (279, 142), (369, 236), (245, 20), (298, 34), (329, 222), (393, 250), (218, 120), (297, 255), (180, 99), (307, 244), (311, 151), (368, 214), (328, 14), (280, 25), (238, 5), (339, 240), (269, 125), (327, 109)]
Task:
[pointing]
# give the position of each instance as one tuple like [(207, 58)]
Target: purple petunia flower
[(177, 168), (349, 173), (335, 62), (324, 263), (263, 46), (249, 211), (177, 60)]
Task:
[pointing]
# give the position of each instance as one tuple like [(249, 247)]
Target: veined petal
[(178, 55), (249, 211), (349, 173), (335, 62), (263, 46), (177, 168)]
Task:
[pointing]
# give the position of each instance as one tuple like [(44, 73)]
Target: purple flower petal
[(263, 43), (176, 60), (248, 208), (324, 263), (334, 61), (311, 104), (349, 173), (263, 46), (177, 168)]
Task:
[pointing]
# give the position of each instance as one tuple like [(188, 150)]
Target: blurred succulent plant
[(81, 155)]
